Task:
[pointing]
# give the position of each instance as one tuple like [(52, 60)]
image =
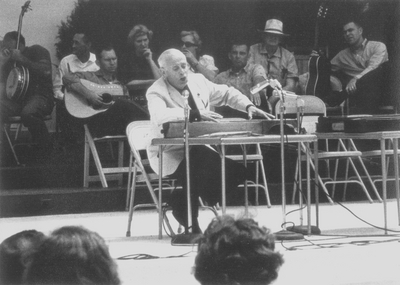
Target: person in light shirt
[(361, 67), (278, 62), (167, 104), (81, 60)]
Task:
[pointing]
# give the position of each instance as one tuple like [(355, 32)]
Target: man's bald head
[(169, 56), (174, 68)]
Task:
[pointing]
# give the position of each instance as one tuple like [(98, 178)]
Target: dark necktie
[(191, 102)]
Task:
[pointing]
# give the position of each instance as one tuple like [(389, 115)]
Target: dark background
[(217, 21)]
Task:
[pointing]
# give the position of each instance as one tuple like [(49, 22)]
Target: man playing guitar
[(109, 118)]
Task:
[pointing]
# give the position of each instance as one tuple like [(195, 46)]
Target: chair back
[(313, 108), (139, 135)]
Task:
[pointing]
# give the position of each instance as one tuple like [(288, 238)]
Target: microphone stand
[(284, 234), (187, 237), (301, 229)]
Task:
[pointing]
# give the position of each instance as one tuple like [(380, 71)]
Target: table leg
[(246, 193), (384, 181), (300, 179), (396, 174), (223, 186), (160, 211), (308, 189), (316, 183)]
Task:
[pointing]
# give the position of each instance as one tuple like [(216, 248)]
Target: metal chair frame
[(256, 158), (12, 140), (314, 106)]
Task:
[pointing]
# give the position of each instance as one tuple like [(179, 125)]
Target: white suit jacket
[(166, 104)]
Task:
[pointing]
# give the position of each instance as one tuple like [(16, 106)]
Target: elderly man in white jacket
[(166, 104)]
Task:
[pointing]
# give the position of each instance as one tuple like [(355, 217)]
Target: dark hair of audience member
[(72, 255), (236, 252), (106, 46), (137, 31), (14, 255), (13, 36), (238, 42)]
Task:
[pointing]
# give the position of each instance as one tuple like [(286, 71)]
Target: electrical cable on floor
[(145, 256), (351, 212), (338, 244)]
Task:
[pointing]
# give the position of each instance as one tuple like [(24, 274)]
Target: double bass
[(18, 78)]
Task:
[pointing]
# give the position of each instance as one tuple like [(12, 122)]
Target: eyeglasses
[(189, 44)]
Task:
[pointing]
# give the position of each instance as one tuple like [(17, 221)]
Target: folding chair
[(313, 108), (14, 123), (257, 159), (376, 154), (138, 133), (104, 173)]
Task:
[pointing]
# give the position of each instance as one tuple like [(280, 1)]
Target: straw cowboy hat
[(273, 26)]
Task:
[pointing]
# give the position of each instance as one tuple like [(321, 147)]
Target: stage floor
[(349, 250)]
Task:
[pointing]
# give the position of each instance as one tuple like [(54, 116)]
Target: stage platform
[(350, 250)]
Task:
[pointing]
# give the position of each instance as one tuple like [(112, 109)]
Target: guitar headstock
[(322, 11), (26, 7)]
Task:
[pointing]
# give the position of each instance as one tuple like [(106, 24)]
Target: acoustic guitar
[(78, 106), (318, 82), (18, 78)]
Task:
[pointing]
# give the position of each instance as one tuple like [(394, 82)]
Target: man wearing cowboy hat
[(279, 63)]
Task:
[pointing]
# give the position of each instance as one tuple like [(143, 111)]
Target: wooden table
[(224, 141)]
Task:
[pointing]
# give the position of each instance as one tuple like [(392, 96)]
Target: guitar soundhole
[(107, 98)]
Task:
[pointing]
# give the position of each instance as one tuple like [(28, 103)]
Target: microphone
[(300, 104), (185, 94), (260, 86)]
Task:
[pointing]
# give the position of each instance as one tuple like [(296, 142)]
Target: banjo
[(18, 78)]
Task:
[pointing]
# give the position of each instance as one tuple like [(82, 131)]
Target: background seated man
[(167, 104), (362, 68), (114, 120), (278, 62), (38, 101), (242, 76), (80, 60), (235, 252)]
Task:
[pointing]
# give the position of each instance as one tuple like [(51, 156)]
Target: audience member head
[(191, 41), (14, 255), (72, 255), (236, 252), (106, 58), (81, 45), (353, 32), (10, 40), (139, 38), (272, 33), (239, 54), (174, 68)]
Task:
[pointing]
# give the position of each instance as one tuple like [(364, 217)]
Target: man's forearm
[(81, 90), (209, 74), (154, 69)]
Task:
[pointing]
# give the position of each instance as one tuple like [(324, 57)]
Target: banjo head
[(17, 83)]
